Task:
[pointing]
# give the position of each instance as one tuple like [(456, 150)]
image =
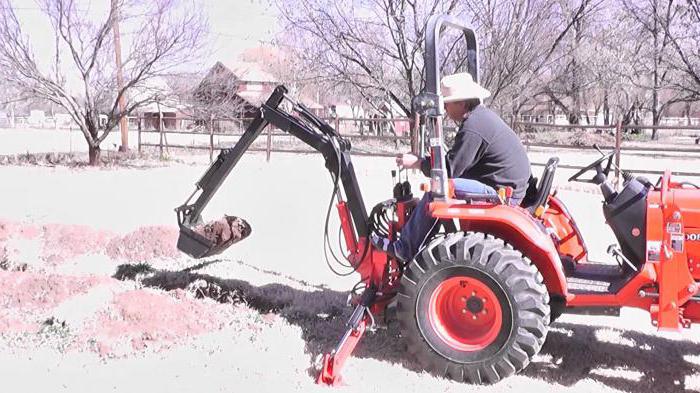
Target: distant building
[(237, 89), (36, 118), (677, 114), (165, 111), (681, 114)]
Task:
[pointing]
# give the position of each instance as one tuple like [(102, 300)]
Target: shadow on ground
[(321, 313), (577, 351)]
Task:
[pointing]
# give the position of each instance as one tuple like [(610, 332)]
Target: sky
[(235, 25), (239, 24)]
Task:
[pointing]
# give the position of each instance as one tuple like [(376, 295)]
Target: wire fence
[(372, 136), (672, 142), (387, 137)]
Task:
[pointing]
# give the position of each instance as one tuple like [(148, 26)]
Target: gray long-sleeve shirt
[(487, 150)]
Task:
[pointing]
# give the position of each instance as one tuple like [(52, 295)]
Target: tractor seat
[(536, 194)]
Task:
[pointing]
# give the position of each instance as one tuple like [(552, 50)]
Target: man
[(486, 155)]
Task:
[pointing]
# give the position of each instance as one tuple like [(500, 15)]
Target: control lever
[(615, 251), (626, 176), (402, 189)]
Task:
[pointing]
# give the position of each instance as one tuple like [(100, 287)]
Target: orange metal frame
[(666, 274), (516, 226), (564, 230), (666, 268)]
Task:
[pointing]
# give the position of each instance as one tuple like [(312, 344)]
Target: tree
[(374, 46), (82, 78), (568, 78), (684, 36), (650, 69), (518, 43)]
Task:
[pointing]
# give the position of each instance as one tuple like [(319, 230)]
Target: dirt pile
[(44, 302), (28, 298), (225, 231), (63, 242), (143, 318), (58, 243), (144, 244)]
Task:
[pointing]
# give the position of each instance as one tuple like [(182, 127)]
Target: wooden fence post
[(160, 128), (269, 142), (211, 138), (138, 120), (160, 144), (618, 143)]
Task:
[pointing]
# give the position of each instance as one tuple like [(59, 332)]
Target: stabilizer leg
[(357, 325)]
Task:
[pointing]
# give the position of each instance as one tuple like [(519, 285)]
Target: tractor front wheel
[(472, 308)]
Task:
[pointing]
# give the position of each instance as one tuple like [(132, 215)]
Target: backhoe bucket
[(205, 240)]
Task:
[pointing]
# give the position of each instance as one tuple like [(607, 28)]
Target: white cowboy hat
[(460, 87)]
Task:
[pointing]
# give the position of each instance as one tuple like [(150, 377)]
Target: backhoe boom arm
[(311, 130)]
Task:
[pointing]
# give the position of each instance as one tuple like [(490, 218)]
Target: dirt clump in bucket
[(224, 231)]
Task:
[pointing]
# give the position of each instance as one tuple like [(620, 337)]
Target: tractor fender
[(514, 225)]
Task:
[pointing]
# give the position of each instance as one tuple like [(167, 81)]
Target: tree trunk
[(655, 115), (94, 154), (606, 109), (656, 119), (93, 151), (655, 93), (573, 117)]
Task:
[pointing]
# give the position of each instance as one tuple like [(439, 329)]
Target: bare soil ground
[(95, 296)]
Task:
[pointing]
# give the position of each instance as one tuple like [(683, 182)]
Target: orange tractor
[(476, 303)]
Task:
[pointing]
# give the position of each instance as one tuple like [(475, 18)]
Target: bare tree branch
[(168, 34)]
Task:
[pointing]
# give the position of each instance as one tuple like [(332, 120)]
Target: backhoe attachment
[(200, 240)]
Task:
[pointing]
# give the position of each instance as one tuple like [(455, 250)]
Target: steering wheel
[(598, 168)]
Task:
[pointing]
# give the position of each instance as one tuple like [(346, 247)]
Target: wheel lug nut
[(464, 311), (474, 317)]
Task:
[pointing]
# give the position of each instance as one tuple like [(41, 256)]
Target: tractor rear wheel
[(472, 308)]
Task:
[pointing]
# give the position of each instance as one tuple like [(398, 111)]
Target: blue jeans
[(420, 223)]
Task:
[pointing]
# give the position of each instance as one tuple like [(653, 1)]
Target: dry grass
[(257, 317)]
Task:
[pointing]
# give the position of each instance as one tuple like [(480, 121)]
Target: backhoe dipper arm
[(190, 214), (336, 156)]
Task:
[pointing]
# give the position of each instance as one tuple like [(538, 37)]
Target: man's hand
[(408, 161)]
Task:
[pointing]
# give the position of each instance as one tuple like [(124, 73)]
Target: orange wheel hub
[(465, 313)]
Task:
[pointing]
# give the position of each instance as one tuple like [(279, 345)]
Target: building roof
[(155, 87), (247, 71), (310, 103), (254, 97)]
